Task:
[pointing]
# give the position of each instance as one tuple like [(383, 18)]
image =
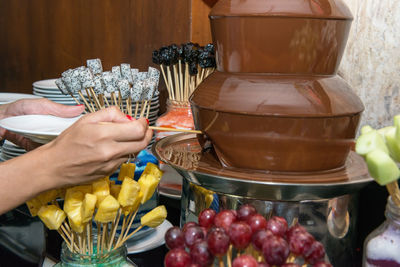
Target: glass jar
[(178, 116), (114, 258), (382, 246)]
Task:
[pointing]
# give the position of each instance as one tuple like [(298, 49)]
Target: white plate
[(38, 128), (11, 97), (150, 241), (47, 91), (46, 84), (54, 96)]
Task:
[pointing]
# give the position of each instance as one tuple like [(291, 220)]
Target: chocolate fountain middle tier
[(281, 123)]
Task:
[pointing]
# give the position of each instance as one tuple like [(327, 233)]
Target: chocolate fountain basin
[(282, 123)]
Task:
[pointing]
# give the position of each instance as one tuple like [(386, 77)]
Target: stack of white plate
[(10, 150), (49, 89)]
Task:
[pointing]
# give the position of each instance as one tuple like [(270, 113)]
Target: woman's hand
[(95, 146), (31, 107)]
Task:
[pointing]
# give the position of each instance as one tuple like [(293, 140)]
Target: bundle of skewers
[(95, 210), (184, 67), (125, 86)]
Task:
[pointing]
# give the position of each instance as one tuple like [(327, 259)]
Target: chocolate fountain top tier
[(280, 36)]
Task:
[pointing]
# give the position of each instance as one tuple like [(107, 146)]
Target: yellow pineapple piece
[(72, 205), (34, 206), (48, 196), (129, 190), (115, 189), (148, 185), (153, 170), (154, 217), (129, 209), (52, 216), (127, 169), (88, 205), (77, 228), (85, 189), (101, 189), (107, 211)]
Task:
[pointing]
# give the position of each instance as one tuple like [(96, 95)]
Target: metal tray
[(184, 153)]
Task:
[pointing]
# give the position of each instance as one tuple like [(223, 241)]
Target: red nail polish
[(147, 121), (79, 105), (129, 117)]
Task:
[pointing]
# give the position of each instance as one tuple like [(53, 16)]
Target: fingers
[(111, 114), (127, 148), (45, 107), (124, 132)]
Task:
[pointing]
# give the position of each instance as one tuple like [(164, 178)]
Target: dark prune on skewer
[(193, 69), (165, 55), (156, 57)]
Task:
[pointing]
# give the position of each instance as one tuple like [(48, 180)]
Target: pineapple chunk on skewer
[(107, 211), (153, 170), (34, 206), (129, 209), (115, 189), (154, 217), (101, 189), (52, 216), (73, 206), (48, 196), (88, 205), (127, 169), (85, 189), (41, 200), (129, 190), (148, 185)]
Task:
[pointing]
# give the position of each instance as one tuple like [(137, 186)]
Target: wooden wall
[(40, 39)]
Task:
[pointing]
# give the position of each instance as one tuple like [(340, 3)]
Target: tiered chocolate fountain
[(280, 122)]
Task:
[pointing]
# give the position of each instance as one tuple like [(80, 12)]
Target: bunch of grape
[(257, 242)]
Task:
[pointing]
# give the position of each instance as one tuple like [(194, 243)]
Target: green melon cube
[(382, 167)]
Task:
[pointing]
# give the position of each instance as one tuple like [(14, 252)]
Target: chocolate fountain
[(280, 122)]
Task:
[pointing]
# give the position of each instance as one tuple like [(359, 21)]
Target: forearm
[(23, 178)]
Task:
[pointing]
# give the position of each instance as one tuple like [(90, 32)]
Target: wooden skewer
[(221, 262), (143, 108), (177, 87), (120, 103), (229, 256), (170, 82), (96, 99), (98, 237), (86, 103), (90, 99), (129, 236), (181, 81), (394, 192), (148, 110), (122, 230), (65, 239), (136, 109), (166, 82), (131, 219), (103, 237), (174, 130), (114, 229)]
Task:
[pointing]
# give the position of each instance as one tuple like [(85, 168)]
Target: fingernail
[(79, 105), (147, 121), (129, 117)]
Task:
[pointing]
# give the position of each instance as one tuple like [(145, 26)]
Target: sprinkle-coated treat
[(116, 71), (86, 78), (137, 90), (109, 81), (95, 66), (141, 76), (99, 85), (60, 84), (126, 72), (154, 75), (124, 87)]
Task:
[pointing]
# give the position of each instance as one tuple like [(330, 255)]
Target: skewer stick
[(86, 103), (88, 238), (148, 109), (103, 237), (120, 103), (106, 100), (91, 237), (98, 237), (143, 109), (177, 87), (170, 82), (174, 130), (129, 236), (65, 239), (181, 81), (229, 256), (90, 99), (122, 230), (131, 219), (114, 229), (96, 100), (101, 100), (393, 189), (136, 109), (187, 77), (166, 82), (80, 243), (221, 262)]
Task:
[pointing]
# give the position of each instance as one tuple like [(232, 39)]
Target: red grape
[(240, 234), (218, 241), (188, 225), (275, 250), (322, 264), (206, 218), (174, 238), (193, 234), (177, 258), (290, 265), (316, 253), (300, 242), (295, 230), (259, 238), (245, 211), (263, 264), (193, 265), (257, 222), (245, 261), (200, 254), (224, 219), (277, 225)]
